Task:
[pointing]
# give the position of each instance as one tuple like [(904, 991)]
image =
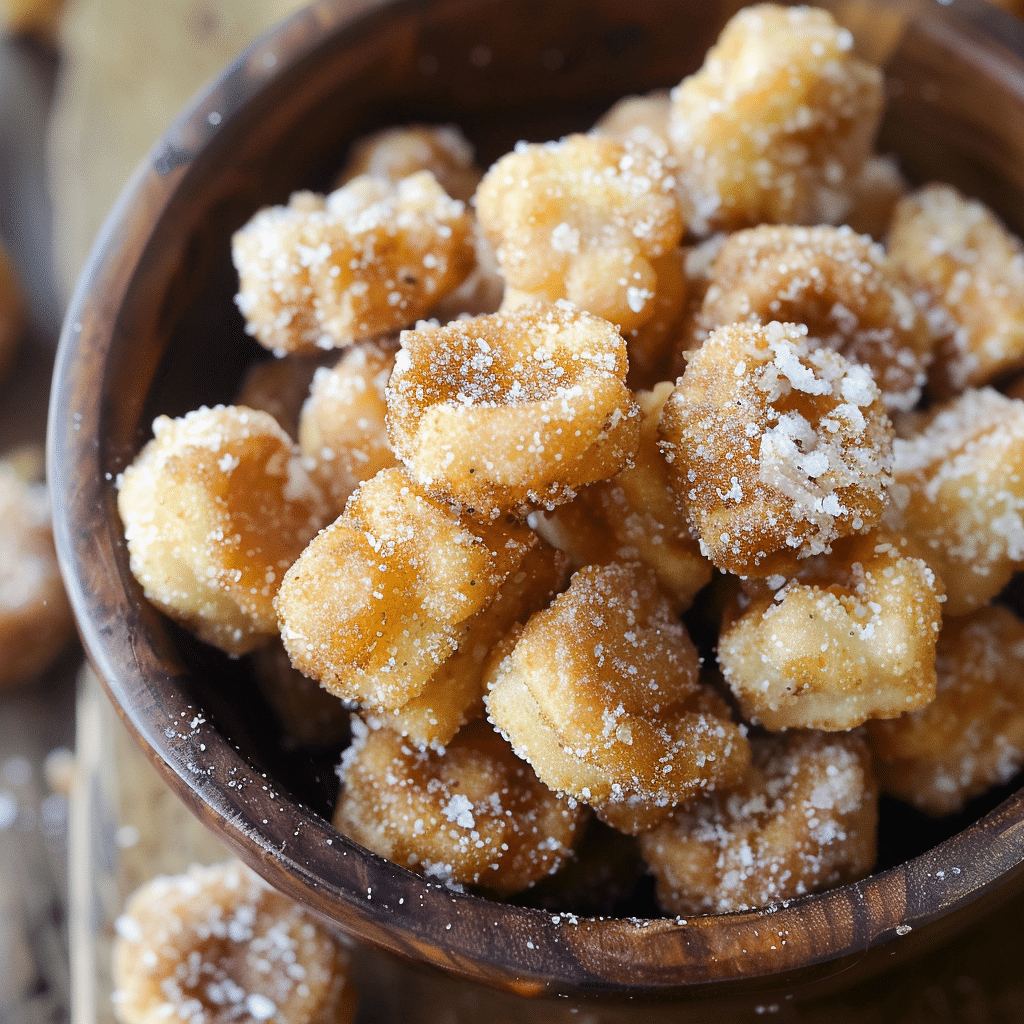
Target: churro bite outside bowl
[(540, 506)]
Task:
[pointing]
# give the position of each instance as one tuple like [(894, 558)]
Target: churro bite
[(474, 815), (367, 259), (959, 493), (776, 447), (513, 409), (874, 195), (852, 637), (970, 269), (642, 119), (836, 282), (216, 507), (218, 945), (342, 423), (36, 623), (776, 124), (381, 598), (804, 819), (395, 153), (454, 694), (633, 517), (281, 386), (971, 737), (582, 219), (600, 693)]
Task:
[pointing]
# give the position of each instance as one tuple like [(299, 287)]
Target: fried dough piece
[(582, 219), (384, 595), (216, 507), (342, 426), (36, 623), (633, 517), (959, 493), (805, 819), (600, 693), (642, 119), (776, 124), (281, 386), (971, 268), (367, 259), (971, 736), (218, 945), (852, 637), (776, 447), (513, 409), (836, 282), (474, 815)]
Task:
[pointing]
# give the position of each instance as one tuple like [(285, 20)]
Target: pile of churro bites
[(666, 474)]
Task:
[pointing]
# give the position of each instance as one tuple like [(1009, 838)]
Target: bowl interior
[(153, 329)]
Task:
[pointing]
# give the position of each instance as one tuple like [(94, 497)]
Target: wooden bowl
[(152, 328)]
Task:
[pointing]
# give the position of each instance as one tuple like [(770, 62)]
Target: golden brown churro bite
[(776, 447), (776, 124), (512, 409), (600, 693), (971, 736), (476, 815), (837, 283), (370, 258), (218, 945), (216, 507), (971, 273), (959, 494), (852, 637), (383, 596), (804, 819), (582, 219)]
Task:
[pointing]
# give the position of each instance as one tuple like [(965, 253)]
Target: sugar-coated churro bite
[(395, 153), (804, 819), (216, 507), (367, 259), (776, 124), (218, 945), (512, 409), (959, 493), (281, 386), (383, 596), (600, 693), (971, 736), (36, 623), (642, 119), (476, 815), (342, 426), (582, 219), (633, 517), (836, 282), (852, 637), (970, 270), (776, 447)]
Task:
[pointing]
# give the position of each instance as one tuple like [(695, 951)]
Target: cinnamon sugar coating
[(384, 595), (367, 259), (582, 219), (633, 517), (776, 447), (512, 409), (342, 428), (959, 493), (851, 637), (970, 269), (600, 693), (217, 945), (836, 282), (476, 815), (776, 124), (804, 819), (216, 507)]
